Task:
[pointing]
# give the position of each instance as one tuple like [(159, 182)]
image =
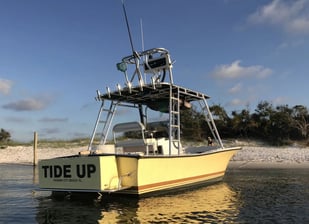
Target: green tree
[(222, 120), (262, 117), (242, 123), (4, 137), (301, 120), (280, 129), (193, 125)]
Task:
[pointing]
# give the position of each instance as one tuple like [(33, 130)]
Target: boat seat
[(131, 143), (129, 126), (134, 145)]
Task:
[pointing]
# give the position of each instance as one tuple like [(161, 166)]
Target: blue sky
[(55, 54)]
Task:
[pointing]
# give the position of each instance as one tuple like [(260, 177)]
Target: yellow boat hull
[(132, 174)]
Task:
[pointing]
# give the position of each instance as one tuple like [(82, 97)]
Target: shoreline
[(236, 165), (250, 157)]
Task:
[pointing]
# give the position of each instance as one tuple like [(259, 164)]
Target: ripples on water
[(246, 196), (17, 202), (272, 196)]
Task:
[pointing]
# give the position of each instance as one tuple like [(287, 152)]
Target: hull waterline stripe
[(161, 184)]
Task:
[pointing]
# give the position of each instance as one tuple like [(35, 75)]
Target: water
[(245, 196)]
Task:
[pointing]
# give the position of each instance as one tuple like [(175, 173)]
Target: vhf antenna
[(142, 34), (135, 54)]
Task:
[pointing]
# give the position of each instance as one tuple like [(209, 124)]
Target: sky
[(55, 54)]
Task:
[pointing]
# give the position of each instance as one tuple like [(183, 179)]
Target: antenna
[(143, 45), (142, 34)]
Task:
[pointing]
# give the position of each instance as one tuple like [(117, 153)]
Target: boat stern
[(79, 173)]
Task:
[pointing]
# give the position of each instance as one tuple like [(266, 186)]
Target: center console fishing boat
[(141, 155)]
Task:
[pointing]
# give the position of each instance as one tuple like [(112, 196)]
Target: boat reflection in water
[(216, 203)]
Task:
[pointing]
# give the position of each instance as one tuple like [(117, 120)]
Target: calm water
[(245, 196)]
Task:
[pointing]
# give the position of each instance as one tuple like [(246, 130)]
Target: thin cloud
[(49, 131), (280, 100), (5, 86), (235, 89), (30, 104), (52, 120), (79, 135), (293, 44), (17, 120), (299, 25), (237, 102), (291, 16), (235, 70)]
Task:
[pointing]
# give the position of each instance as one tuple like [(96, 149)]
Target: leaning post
[(35, 147)]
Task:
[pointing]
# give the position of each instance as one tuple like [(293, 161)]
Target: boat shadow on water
[(214, 203)]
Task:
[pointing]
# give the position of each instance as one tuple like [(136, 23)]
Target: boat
[(143, 155)]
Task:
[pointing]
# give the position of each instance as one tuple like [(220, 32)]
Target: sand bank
[(24, 154), (248, 157), (271, 157)]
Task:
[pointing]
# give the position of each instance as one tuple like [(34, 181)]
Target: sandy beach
[(271, 157), (248, 157)]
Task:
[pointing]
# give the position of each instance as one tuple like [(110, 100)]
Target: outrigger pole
[(134, 52), (128, 27), (136, 59)]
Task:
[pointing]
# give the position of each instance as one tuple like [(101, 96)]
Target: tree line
[(277, 125)]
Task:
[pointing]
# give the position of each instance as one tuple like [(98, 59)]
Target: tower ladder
[(174, 119), (109, 111)]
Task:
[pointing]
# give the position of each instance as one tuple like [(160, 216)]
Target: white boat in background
[(141, 156)]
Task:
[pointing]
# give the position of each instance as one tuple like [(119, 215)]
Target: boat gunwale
[(138, 156)]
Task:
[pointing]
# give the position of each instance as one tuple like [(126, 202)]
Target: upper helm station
[(155, 62)]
